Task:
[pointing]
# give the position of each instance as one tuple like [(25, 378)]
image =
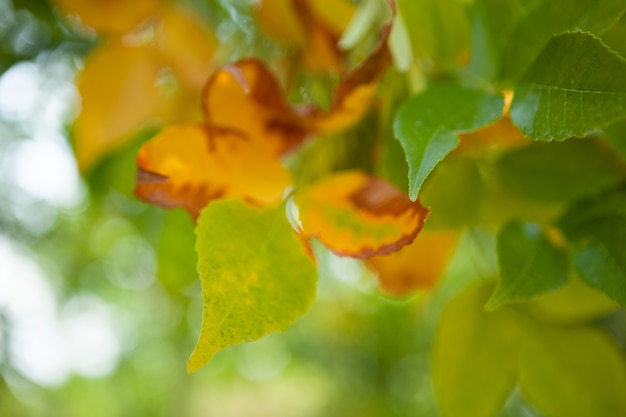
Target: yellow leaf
[(356, 215), (189, 165), (188, 46), (111, 16), (499, 136), (418, 266), (118, 96)]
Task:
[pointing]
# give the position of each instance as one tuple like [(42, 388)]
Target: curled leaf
[(186, 166), (356, 215), (417, 266), (245, 98)]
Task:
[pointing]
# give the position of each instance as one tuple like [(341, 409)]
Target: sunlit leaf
[(111, 16), (572, 89), (510, 34), (256, 279), (573, 372), (186, 166), (427, 125), (474, 357), (551, 172), (529, 264), (118, 97), (417, 266), (356, 215), (597, 227)]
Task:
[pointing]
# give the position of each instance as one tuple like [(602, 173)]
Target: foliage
[(465, 155)]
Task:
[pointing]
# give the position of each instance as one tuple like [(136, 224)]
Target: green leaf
[(598, 230), (426, 125), (454, 192), (439, 30), (529, 264), (474, 357), (576, 85), (573, 372), (557, 172), (616, 135), (574, 303), (510, 34), (256, 278)]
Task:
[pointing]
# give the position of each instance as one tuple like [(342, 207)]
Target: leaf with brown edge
[(118, 97), (418, 266), (357, 215), (111, 16), (188, 166)]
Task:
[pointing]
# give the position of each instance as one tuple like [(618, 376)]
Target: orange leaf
[(246, 98), (498, 136), (418, 266), (356, 215), (111, 16), (188, 166), (118, 96)]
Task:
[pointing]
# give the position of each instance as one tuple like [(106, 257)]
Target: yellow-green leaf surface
[(474, 357), (256, 277), (576, 86), (573, 372)]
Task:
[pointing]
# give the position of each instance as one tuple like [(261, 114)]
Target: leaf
[(256, 278), (510, 34), (474, 357), (112, 16), (118, 97), (187, 46), (426, 125), (529, 264), (574, 303), (454, 192), (246, 99), (356, 215), (598, 230), (559, 171), (499, 136), (576, 85), (439, 31), (310, 25), (573, 372), (616, 135), (185, 166), (418, 266)]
